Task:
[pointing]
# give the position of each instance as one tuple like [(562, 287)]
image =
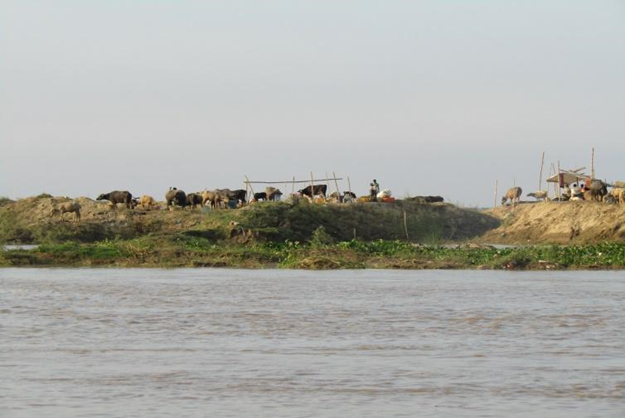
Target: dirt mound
[(34, 210), (33, 220), (576, 222)]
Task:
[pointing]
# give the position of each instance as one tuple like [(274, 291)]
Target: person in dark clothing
[(374, 190)]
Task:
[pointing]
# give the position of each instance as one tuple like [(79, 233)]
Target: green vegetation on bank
[(403, 235), (29, 221), (320, 253)]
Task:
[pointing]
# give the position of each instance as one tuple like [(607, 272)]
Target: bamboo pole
[(592, 163), (247, 180), (349, 185), (336, 183), (312, 186), (540, 177), (496, 187), (293, 186), (328, 181), (559, 184), (406, 226), (289, 181), (552, 172), (247, 183)]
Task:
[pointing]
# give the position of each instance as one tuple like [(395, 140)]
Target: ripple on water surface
[(195, 343)]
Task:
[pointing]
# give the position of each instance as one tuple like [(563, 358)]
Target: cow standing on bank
[(314, 190), (513, 195)]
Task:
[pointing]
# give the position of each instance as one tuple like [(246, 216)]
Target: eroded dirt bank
[(579, 222)]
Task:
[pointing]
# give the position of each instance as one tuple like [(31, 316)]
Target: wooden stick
[(248, 182), (559, 182), (293, 186), (336, 183), (406, 226), (552, 172), (328, 181), (592, 163), (312, 187), (349, 185), (496, 187), (540, 178)]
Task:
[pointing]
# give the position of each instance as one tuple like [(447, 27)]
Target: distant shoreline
[(300, 235)]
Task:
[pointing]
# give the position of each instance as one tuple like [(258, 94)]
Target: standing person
[(372, 194), (374, 190)]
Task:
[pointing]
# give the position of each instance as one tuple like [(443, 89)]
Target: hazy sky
[(429, 97)]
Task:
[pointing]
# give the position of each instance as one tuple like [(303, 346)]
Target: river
[(279, 343)]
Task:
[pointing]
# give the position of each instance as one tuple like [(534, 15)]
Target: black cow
[(260, 196), (175, 196), (434, 199), (238, 195), (316, 190), (194, 199), (427, 199), (117, 196)]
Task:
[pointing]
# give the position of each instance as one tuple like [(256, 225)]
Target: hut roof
[(568, 176)]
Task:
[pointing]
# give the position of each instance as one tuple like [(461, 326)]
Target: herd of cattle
[(594, 190), (221, 198), (212, 198)]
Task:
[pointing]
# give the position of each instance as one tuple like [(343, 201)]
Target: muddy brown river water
[(269, 343)]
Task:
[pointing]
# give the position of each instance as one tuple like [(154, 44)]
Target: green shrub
[(320, 238)]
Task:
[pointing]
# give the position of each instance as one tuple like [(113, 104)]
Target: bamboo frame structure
[(287, 181), (248, 183)]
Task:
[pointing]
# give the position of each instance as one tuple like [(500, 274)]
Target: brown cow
[(513, 194), (618, 194), (147, 202), (68, 207), (539, 195)]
